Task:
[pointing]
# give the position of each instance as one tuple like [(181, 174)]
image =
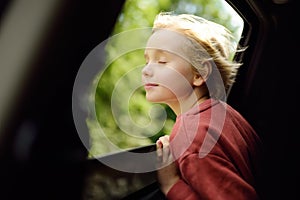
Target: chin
[(153, 99)]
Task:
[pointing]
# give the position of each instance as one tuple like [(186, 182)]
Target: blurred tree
[(126, 119)]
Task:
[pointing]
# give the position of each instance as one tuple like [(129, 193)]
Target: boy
[(216, 151)]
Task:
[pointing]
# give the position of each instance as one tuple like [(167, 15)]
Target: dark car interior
[(42, 46)]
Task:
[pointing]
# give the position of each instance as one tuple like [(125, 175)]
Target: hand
[(167, 173)]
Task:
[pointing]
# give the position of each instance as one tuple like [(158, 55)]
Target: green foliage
[(124, 117)]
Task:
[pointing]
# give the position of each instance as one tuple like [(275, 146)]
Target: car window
[(121, 120)]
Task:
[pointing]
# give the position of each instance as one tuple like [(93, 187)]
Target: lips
[(148, 86), (151, 84)]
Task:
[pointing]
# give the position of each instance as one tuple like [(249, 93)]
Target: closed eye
[(162, 62)]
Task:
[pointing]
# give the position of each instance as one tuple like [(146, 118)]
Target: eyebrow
[(161, 51)]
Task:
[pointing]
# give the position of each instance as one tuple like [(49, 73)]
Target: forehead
[(166, 40)]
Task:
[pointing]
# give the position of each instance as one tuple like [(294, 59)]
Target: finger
[(159, 144), (165, 154), (164, 138), (163, 150), (159, 152)]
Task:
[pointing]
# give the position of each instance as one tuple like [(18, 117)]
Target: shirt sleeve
[(210, 178), (181, 190)]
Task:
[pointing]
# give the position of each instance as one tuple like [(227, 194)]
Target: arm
[(211, 177), (168, 174)]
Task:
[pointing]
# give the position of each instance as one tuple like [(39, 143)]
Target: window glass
[(124, 119)]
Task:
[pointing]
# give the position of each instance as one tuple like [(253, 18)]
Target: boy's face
[(167, 77)]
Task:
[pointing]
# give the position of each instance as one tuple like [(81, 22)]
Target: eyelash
[(159, 62), (162, 62)]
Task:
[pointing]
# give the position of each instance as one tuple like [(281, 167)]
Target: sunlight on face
[(167, 76)]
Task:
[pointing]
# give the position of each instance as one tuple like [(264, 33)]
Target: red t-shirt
[(217, 152)]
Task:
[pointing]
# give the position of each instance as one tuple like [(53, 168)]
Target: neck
[(183, 105)]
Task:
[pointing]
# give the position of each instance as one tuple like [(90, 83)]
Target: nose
[(147, 70)]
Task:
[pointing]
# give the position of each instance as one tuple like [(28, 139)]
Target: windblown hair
[(216, 40)]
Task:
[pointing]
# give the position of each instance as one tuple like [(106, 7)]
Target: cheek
[(178, 83)]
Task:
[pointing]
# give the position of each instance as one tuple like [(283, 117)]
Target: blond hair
[(214, 38)]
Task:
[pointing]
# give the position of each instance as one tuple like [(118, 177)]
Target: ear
[(199, 79), (207, 69)]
